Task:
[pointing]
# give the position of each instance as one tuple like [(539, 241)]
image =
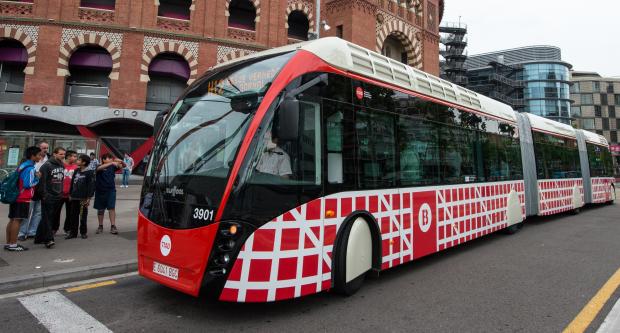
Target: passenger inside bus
[(274, 160)]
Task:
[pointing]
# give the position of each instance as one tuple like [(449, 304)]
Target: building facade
[(596, 107), (531, 79), (92, 74)]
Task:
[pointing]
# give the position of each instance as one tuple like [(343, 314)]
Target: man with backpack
[(20, 196), (52, 179), (29, 226)]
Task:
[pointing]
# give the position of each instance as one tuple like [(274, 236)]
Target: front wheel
[(353, 257)]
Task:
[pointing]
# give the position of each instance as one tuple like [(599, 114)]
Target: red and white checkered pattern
[(291, 255), (601, 189), (556, 196), (468, 212)]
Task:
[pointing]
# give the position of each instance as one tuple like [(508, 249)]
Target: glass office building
[(530, 79), (547, 90)]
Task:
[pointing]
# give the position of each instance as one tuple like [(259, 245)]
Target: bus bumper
[(174, 258)]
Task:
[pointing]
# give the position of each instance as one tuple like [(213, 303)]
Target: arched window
[(13, 59), (168, 75), (99, 4), (298, 25), (176, 9), (394, 49), (242, 15), (89, 83)]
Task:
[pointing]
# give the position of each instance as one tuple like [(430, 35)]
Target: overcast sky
[(588, 32)]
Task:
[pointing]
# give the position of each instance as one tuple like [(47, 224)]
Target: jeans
[(29, 226), (126, 174)]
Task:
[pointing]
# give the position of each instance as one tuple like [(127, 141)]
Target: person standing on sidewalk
[(70, 167), (128, 160), (19, 209), (94, 162), (82, 189), (28, 228), (105, 190), (52, 178)]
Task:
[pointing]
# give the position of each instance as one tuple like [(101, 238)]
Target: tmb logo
[(165, 245)]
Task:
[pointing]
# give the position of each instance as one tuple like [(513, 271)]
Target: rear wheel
[(513, 229), (355, 248)]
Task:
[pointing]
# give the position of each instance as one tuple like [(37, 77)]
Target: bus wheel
[(513, 229), (353, 257)]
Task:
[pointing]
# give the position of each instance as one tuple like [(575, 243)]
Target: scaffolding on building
[(453, 42)]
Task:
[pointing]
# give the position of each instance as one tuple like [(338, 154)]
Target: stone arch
[(256, 4), (22, 37), (300, 7), (233, 55), (67, 49), (172, 47), (407, 35)]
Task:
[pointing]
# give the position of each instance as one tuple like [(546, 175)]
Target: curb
[(41, 280)]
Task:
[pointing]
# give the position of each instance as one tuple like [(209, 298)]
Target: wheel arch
[(375, 237)]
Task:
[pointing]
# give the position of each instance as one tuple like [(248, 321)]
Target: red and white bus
[(302, 168)]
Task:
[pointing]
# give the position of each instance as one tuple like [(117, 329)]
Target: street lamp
[(319, 23)]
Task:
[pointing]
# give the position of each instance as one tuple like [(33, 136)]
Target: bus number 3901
[(202, 214)]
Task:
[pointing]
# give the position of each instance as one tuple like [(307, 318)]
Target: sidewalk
[(75, 259)]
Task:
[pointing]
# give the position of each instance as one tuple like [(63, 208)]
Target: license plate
[(165, 270)]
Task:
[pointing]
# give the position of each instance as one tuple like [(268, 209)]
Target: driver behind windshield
[(274, 160)]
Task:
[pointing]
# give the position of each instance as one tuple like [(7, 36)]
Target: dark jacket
[(52, 177), (82, 185)]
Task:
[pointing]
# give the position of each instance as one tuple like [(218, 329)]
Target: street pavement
[(68, 256), (537, 280)]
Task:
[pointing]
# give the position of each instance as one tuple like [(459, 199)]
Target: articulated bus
[(303, 168)]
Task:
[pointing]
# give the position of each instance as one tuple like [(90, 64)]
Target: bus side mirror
[(288, 119), (159, 120)]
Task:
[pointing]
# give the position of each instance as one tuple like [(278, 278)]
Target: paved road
[(535, 281)]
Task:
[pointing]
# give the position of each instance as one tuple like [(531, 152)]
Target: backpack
[(9, 188)]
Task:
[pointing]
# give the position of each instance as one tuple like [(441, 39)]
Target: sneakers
[(50, 244), (99, 229), (18, 248), (21, 238), (113, 230), (70, 236), (84, 236)]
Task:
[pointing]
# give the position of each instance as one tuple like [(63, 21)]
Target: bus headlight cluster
[(223, 250)]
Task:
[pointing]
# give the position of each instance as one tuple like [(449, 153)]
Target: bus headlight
[(227, 245)]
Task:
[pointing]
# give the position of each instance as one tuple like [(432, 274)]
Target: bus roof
[(547, 125), (356, 59), (595, 138)]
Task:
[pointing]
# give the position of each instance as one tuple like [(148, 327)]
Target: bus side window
[(339, 145), (335, 173)]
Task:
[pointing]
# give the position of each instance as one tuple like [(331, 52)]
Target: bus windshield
[(196, 146)]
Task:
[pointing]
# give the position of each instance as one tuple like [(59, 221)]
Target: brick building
[(89, 74)]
